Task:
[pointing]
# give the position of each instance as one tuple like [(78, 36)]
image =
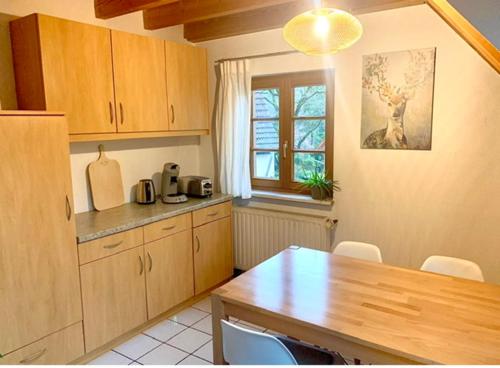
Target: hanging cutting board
[(106, 184)]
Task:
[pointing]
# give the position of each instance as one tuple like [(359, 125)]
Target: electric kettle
[(146, 193)]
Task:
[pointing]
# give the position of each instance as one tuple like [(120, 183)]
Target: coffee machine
[(169, 190)]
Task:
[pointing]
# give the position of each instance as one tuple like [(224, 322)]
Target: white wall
[(411, 203), (139, 159)]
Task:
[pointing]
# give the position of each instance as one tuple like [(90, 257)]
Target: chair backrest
[(453, 267), (365, 251), (245, 347)]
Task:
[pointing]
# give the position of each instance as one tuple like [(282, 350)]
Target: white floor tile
[(137, 346), (204, 325), (189, 340), (163, 355), (250, 326), (110, 358), (189, 316), (206, 352), (204, 305), (165, 330), (192, 360)]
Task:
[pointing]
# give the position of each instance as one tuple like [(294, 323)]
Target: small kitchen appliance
[(146, 193), (195, 186), (169, 188)]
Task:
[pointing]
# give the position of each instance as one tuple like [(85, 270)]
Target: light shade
[(322, 31)]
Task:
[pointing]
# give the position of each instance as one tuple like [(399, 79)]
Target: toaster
[(195, 186)]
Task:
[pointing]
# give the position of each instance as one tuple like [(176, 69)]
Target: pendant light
[(322, 31)]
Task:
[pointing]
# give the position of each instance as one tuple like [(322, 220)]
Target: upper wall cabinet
[(110, 84), (65, 66), (187, 84), (140, 82)]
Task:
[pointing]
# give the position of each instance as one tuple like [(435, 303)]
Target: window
[(292, 129)]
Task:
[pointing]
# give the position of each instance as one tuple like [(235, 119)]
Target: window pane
[(310, 101), (266, 165), (266, 134), (309, 134), (307, 163), (266, 103)]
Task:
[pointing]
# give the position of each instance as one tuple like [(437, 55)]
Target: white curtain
[(232, 121)]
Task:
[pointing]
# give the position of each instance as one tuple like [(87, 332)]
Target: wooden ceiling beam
[(105, 9), (187, 11), (467, 31), (276, 16)]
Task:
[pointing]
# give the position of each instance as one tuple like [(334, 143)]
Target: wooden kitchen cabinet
[(61, 65), (113, 295), (111, 84), (140, 82), (187, 85), (61, 347), (213, 254), (169, 272), (39, 281)]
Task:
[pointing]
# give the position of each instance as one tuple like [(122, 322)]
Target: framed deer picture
[(397, 96)]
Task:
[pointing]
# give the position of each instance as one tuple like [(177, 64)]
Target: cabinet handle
[(173, 113), (198, 243), (213, 213), (285, 149), (142, 265), (169, 227), (150, 262), (111, 246), (68, 208), (111, 115), (121, 114), (33, 357)]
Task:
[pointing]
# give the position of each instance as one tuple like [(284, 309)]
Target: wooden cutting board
[(106, 184)]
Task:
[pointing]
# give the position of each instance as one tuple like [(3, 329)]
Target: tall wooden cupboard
[(40, 300)]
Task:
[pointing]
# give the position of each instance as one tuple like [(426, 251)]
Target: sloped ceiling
[(484, 15)]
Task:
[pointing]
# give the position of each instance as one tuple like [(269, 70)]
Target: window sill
[(289, 197)]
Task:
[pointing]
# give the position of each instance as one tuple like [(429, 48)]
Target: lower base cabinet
[(125, 282), (113, 293), (213, 254), (169, 274), (61, 347)]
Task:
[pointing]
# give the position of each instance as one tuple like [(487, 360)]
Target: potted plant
[(321, 187)]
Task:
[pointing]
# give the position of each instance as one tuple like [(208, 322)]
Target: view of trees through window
[(309, 131)]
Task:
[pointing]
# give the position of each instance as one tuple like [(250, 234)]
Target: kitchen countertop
[(94, 225)]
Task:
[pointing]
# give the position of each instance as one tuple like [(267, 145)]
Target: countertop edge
[(82, 239)]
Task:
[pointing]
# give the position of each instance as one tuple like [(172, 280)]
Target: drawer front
[(109, 245), (211, 213), (161, 229), (61, 347)]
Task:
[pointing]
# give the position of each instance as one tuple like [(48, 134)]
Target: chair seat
[(306, 354)]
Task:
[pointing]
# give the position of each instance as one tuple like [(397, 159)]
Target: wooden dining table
[(374, 312)]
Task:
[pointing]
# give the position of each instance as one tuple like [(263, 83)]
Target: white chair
[(453, 267), (242, 346), (365, 251)]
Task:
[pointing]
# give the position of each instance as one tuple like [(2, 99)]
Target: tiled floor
[(183, 339)]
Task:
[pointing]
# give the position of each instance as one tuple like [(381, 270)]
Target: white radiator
[(260, 233)]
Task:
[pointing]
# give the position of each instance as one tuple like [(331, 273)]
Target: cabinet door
[(169, 275), (39, 282), (78, 74), (140, 82), (213, 254), (187, 84), (114, 296)]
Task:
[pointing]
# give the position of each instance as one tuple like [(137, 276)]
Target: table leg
[(217, 315)]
